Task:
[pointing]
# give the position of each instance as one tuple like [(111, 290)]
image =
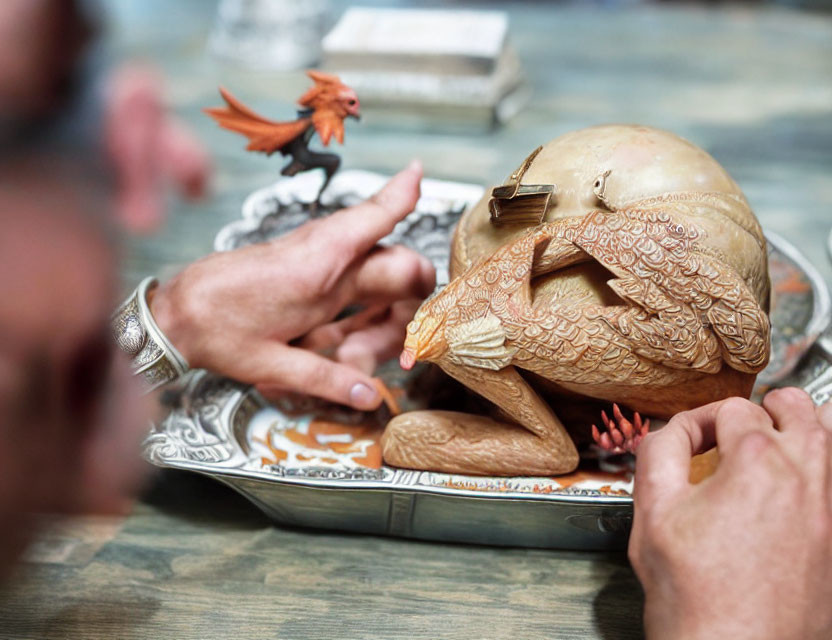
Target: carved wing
[(691, 306), (479, 343)]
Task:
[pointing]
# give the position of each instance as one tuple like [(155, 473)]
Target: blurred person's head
[(70, 420), (58, 91), (73, 148), (68, 435), (42, 41)]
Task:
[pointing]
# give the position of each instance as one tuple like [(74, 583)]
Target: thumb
[(302, 371)]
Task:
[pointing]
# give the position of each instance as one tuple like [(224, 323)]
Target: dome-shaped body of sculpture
[(617, 263)]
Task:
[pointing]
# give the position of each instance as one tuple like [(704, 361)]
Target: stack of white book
[(428, 68)]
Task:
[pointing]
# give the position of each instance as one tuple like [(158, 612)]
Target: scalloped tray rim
[(463, 194), (371, 485)]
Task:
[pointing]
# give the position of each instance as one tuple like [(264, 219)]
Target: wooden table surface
[(752, 85)]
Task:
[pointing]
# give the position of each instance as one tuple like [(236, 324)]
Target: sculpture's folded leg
[(461, 443)]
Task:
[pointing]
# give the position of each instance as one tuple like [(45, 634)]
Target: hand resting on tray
[(747, 553), (266, 314)]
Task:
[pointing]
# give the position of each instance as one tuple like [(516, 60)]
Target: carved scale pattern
[(685, 308)]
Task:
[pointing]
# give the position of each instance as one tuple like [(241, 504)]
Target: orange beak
[(407, 359)]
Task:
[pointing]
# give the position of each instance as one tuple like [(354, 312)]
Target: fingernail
[(364, 397), (415, 165)]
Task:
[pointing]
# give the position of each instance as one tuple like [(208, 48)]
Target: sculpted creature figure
[(620, 264), (325, 106)]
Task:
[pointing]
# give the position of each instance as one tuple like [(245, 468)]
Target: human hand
[(747, 553), (265, 314), (149, 149)]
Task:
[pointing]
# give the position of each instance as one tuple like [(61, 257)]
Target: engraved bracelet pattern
[(154, 358)]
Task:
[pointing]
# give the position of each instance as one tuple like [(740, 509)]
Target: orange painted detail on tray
[(372, 457), (581, 476), (545, 486), (279, 454), (607, 490), (303, 439), (474, 486), (359, 442), (787, 279)]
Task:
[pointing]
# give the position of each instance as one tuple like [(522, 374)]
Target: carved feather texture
[(479, 343), (686, 308)]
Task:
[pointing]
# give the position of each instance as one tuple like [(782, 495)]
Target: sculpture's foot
[(452, 442), (621, 436), (293, 168), (316, 208)]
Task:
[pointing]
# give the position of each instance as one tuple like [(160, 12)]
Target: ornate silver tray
[(309, 464)]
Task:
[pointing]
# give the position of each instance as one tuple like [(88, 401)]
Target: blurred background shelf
[(750, 83)]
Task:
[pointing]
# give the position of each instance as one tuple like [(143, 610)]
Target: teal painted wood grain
[(195, 561)]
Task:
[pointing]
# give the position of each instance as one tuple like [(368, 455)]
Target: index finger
[(663, 461), (357, 229), (663, 466)]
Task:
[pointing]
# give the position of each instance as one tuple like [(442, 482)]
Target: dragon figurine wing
[(266, 136)]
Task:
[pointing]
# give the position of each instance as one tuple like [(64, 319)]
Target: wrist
[(665, 620), (168, 319), (153, 356)]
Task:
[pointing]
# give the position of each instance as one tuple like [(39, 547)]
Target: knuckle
[(646, 447), (755, 444), (649, 441), (411, 272), (336, 245), (678, 417), (816, 446), (325, 278), (384, 198), (787, 396), (316, 380), (824, 413), (733, 406), (818, 441), (789, 393), (734, 411), (322, 283), (677, 425)]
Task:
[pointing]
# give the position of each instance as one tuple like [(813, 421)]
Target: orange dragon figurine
[(618, 264), (325, 106)]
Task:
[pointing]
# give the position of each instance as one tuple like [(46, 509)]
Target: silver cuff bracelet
[(153, 357)]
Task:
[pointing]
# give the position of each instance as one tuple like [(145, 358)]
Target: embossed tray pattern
[(311, 464)]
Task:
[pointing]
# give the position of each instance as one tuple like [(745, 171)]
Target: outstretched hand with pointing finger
[(266, 314)]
